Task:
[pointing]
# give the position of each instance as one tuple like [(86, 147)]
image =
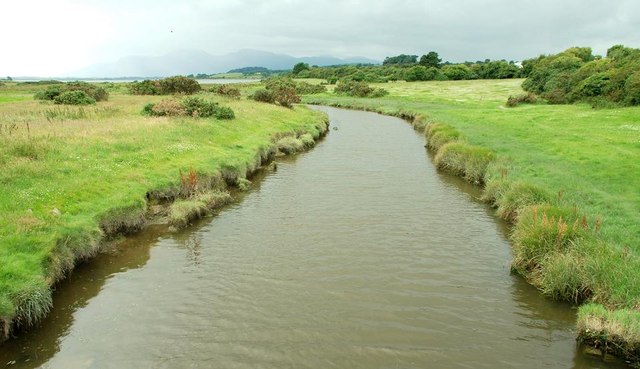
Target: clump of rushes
[(517, 196), (183, 211), (542, 229), (467, 161), (290, 145), (438, 134), (615, 332)]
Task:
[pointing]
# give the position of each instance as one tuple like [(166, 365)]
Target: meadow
[(566, 176), (74, 177)]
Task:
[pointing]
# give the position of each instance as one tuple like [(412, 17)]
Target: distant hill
[(197, 61)]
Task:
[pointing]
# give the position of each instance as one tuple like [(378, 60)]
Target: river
[(358, 254)]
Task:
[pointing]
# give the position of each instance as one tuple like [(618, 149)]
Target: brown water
[(355, 255)]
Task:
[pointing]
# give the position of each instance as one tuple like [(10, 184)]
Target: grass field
[(72, 175), (567, 175)]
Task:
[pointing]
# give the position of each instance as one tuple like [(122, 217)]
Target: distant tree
[(430, 60), (299, 68), (9, 79), (401, 59)]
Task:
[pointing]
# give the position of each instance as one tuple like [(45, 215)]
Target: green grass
[(566, 175), (69, 177)]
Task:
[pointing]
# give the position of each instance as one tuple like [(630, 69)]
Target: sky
[(57, 37)]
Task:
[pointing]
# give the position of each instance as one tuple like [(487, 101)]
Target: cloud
[(78, 33)]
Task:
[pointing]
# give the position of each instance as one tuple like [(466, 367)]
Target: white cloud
[(54, 37)]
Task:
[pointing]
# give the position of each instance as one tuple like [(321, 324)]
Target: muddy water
[(355, 255)]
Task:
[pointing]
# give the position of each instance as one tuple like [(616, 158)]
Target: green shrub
[(198, 107), (49, 94), (304, 88), (223, 112), (632, 89), (527, 98), (358, 89), (95, 92), (146, 87), (179, 85), (264, 95), (148, 109), (457, 72), (168, 107), (227, 90), (190, 106), (74, 98), (278, 90)]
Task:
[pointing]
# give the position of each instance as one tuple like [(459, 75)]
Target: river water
[(358, 254)]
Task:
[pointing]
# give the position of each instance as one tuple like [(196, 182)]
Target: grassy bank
[(565, 176), (73, 177)]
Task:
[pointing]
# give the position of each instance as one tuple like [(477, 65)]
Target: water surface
[(357, 254)]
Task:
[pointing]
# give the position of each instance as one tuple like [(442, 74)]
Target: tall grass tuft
[(467, 161), (616, 332), (438, 134), (516, 196)]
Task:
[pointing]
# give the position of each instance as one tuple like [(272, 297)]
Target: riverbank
[(76, 177), (563, 175)]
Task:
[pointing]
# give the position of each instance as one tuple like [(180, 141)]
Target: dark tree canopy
[(300, 67), (400, 59), (432, 59)]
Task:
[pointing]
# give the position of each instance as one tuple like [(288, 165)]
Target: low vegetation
[(166, 86), (75, 176), (72, 93), (358, 89), (195, 107)]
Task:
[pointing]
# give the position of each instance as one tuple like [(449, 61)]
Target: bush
[(191, 106), (632, 89), (223, 112), (358, 89), (146, 87), (227, 90), (278, 90), (263, 95), (527, 98), (96, 93), (167, 107), (178, 85), (457, 72), (305, 88), (74, 98), (49, 94)]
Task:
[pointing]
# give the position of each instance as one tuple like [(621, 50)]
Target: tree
[(299, 68), (430, 60), (401, 59)]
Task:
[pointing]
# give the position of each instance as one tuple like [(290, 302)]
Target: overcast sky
[(54, 37)]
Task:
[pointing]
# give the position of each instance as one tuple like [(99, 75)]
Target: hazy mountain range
[(196, 61)]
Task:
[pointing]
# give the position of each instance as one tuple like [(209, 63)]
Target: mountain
[(197, 61)]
